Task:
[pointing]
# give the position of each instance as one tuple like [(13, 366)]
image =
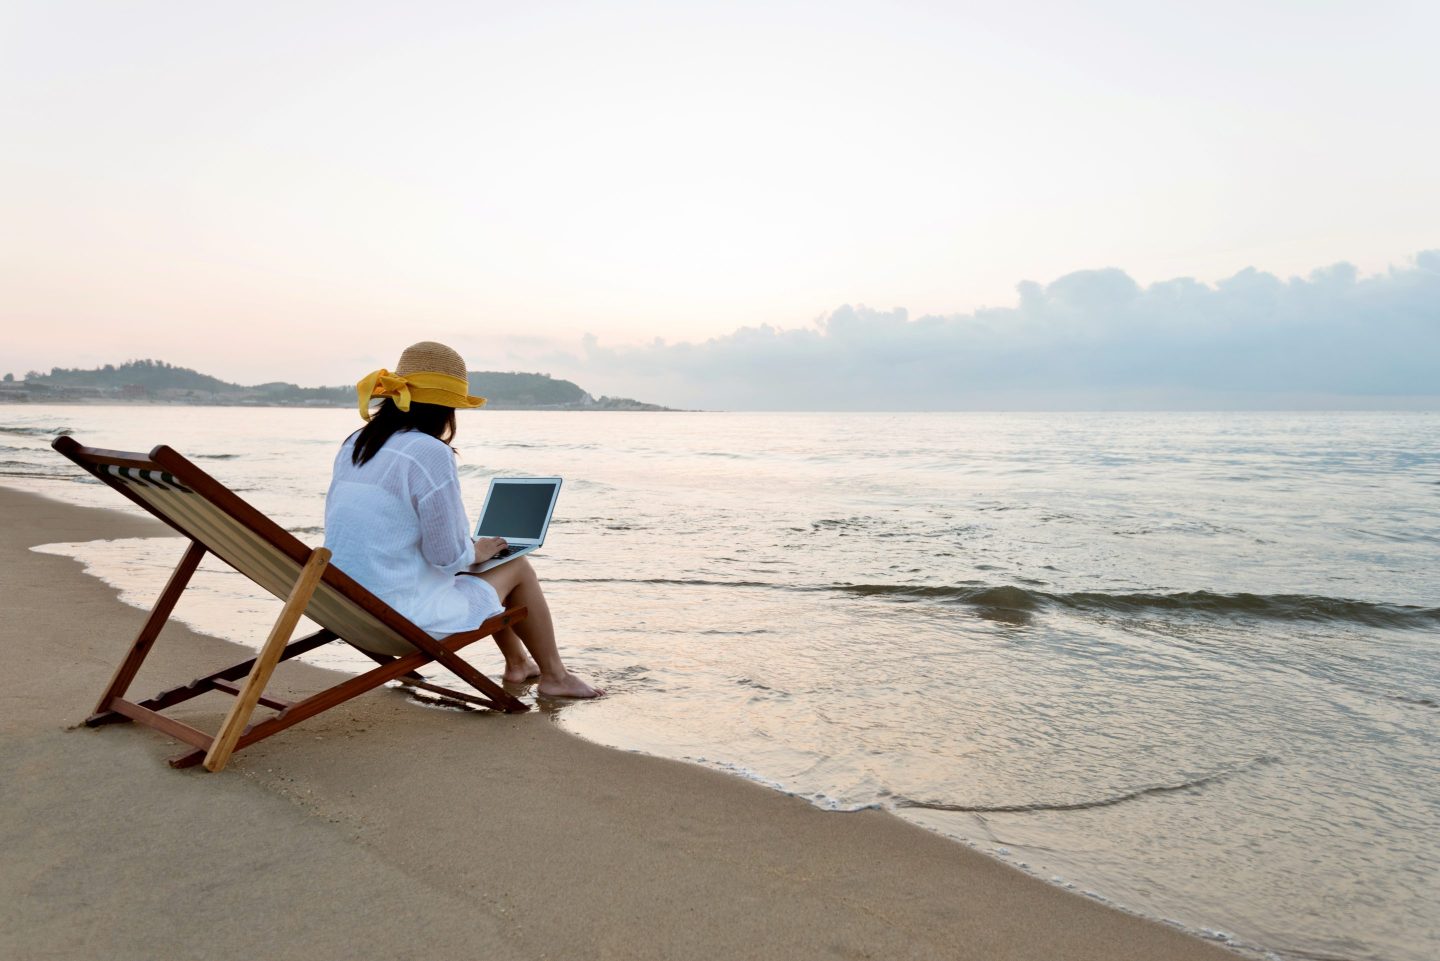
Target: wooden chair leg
[(159, 614), (445, 692), (184, 692), (390, 669), (323, 701), (219, 754), (460, 668)]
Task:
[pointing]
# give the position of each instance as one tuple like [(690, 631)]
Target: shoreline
[(443, 814)]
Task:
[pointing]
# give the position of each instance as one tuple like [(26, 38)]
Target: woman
[(394, 520)]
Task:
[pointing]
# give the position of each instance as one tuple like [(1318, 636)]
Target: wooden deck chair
[(216, 520)]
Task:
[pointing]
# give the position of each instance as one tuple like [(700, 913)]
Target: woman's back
[(397, 525)]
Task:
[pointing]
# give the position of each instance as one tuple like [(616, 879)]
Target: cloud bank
[(1094, 339)]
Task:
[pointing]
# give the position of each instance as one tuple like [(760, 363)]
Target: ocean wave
[(673, 581), (1015, 604), (1149, 790), (1414, 699), (1293, 607), (543, 445), (839, 523), (31, 472), (942, 528), (58, 470), (36, 431)]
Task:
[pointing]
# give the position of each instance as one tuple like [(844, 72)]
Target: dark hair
[(433, 419)]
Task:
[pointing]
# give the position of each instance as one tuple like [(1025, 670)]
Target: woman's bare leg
[(518, 584), (519, 666)]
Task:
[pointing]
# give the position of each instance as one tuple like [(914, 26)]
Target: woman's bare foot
[(519, 673), (567, 685)]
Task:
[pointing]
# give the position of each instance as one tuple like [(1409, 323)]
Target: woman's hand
[(488, 547)]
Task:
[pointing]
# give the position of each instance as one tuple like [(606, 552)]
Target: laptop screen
[(517, 511)]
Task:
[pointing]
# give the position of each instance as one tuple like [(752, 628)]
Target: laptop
[(517, 509)]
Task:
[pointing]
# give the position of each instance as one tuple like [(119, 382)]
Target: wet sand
[(382, 829)]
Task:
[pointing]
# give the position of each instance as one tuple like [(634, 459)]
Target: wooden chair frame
[(167, 470)]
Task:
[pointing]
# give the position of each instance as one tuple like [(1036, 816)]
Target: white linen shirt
[(397, 526)]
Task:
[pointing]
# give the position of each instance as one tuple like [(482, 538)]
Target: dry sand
[(387, 830)]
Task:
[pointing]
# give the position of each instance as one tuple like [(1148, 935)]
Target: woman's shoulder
[(405, 444), (417, 443), (347, 446), (431, 454)]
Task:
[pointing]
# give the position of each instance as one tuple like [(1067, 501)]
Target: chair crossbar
[(167, 725), (359, 684), (445, 692), (228, 687), (202, 685)]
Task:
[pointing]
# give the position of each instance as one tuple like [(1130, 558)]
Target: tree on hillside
[(9, 378), (150, 374), (528, 390)]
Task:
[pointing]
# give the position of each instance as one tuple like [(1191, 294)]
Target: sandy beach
[(383, 829)]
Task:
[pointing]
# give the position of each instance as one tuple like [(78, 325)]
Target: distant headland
[(156, 382)]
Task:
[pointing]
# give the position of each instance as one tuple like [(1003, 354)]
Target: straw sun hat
[(428, 373)]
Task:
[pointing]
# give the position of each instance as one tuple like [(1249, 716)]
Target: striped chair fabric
[(243, 549)]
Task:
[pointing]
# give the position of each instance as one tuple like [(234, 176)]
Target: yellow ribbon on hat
[(422, 386)]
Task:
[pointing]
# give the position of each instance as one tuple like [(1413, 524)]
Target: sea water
[(1186, 663)]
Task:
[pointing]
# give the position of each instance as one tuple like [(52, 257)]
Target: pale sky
[(297, 190)]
